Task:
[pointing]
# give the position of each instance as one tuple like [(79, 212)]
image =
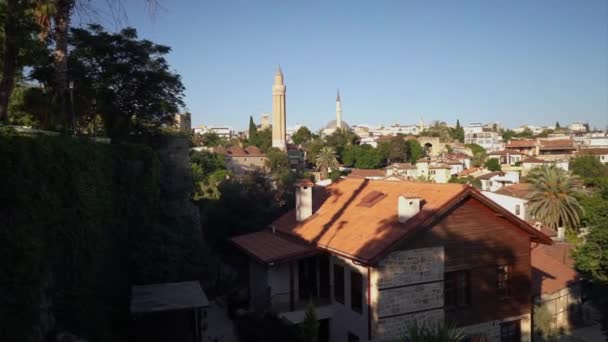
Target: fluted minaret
[(279, 111), (338, 111)]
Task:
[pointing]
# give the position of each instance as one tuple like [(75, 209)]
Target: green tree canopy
[(362, 157), (415, 151), (588, 167), (492, 164), (253, 132), (301, 136), (475, 148), (134, 88), (340, 139), (277, 159)]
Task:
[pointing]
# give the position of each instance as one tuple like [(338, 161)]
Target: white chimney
[(303, 199), (561, 233), (408, 207)]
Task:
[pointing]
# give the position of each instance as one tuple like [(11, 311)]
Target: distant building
[(296, 156), (279, 112), (600, 153), (495, 180), (507, 157), (241, 161), (528, 147), (338, 123), (576, 127), (490, 141)]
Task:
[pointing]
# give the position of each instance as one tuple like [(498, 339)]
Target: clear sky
[(517, 62)]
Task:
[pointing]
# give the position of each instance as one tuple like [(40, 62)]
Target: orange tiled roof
[(270, 247), (521, 143), (363, 173), (342, 225), (593, 151), (558, 144), (548, 274), (469, 171), (403, 166), (519, 190)]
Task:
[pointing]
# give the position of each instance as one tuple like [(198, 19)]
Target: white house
[(600, 153), (495, 180)]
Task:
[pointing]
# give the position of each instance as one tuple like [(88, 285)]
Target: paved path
[(220, 327)]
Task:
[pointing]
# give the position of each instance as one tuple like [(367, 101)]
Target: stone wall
[(491, 329), (410, 267), (409, 287), (410, 298), (390, 329)]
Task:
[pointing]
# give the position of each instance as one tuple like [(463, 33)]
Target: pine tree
[(457, 124), (557, 126)]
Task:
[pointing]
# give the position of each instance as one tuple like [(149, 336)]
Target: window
[(510, 331), (456, 289), (504, 279), (356, 292), (517, 209), (339, 283), (352, 337)]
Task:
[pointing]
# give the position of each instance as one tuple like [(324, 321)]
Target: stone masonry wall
[(411, 266), (390, 329), (409, 288), (491, 329), (410, 299)]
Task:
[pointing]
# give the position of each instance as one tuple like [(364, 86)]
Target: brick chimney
[(407, 207), (303, 199)]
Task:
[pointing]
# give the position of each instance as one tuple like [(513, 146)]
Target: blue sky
[(518, 62)]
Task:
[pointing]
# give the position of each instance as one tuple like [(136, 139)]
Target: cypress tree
[(253, 132)]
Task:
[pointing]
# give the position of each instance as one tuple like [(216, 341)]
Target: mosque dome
[(332, 125)]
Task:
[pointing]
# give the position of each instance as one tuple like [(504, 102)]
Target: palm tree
[(552, 197), (326, 159)]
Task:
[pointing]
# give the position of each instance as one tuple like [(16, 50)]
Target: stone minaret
[(279, 111), (338, 111)]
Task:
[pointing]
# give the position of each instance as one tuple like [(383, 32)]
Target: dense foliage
[(301, 136), (362, 157), (492, 164), (589, 168), (79, 223)]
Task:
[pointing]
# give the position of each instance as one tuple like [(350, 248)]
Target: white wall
[(344, 319), (509, 203)]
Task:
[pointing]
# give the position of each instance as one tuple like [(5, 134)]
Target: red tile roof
[(558, 144), (469, 171), (533, 160), (269, 247), (548, 274), (364, 173), (343, 227), (488, 176), (519, 190), (521, 143), (401, 166), (593, 151)]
